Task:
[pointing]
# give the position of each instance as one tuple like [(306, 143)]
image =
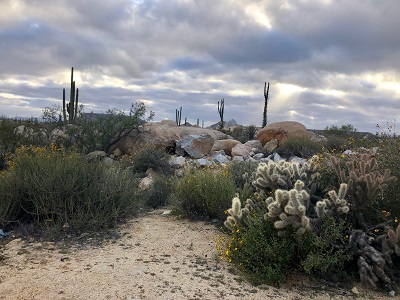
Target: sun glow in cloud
[(253, 11), (332, 92), (288, 89)]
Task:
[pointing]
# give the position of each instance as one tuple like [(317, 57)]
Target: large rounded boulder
[(281, 131)]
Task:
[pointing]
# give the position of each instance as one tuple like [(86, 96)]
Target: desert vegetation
[(334, 216)]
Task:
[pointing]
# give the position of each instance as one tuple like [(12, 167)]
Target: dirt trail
[(157, 257)]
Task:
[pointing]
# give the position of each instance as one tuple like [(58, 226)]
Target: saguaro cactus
[(266, 95), (221, 112), (72, 107), (178, 116)]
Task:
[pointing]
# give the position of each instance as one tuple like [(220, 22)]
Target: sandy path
[(157, 257)]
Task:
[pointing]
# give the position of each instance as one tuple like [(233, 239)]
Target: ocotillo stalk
[(221, 112), (266, 94)]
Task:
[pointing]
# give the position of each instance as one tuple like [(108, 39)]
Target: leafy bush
[(242, 176), (336, 143), (299, 146), (265, 257), (57, 189), (323, 253), (259, 253), (242, 133), (100, 132), (159, 193), (15, 133), (388, 158), (148, 156), (204, 193)]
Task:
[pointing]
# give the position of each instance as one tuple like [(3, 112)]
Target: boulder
[(96, 155), (162, 134), (271, 145), (241, 150), (225, 145), (317, 137), (255, 145), (195, 146), (220, 159), (281, 131), (177, 161)]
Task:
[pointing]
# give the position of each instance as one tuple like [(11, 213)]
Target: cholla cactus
[(271, 176), (241, 216), (237, 215), (394, 239), (363, 183), (289, 208), (335, 205)]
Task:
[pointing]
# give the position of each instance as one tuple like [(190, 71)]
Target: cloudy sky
[(329, 62)]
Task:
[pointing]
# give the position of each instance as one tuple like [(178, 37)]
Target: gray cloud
[(328, 62)]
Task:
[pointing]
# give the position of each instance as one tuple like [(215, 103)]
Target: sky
[(328, 62)]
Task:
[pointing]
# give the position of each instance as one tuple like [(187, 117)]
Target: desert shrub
[(343, 131), (242, 133), (242, 176), (56, 189), (265, 257), (204, 193), (299, 146), (241, 171), (336, 143), (15, 133), (100, 132), (388, 158), (148, 156), (159, 193), (259, 253), (323, 253)]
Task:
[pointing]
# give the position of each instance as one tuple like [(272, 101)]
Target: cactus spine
[(72, 107)]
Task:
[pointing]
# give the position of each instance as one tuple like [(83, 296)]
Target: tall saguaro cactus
[(266, 95), (178, 116), (221, 112), (72, 107)]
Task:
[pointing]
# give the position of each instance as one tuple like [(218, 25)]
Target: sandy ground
[(156, 257)]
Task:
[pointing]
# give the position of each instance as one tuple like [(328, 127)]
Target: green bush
[(50, 187), (323, 253), (241, 133), (242, 176), (31, 132), (259, 253), (148, 156), (100, 132), (264, 257), (388, 158), (204, 193), (299, 146), (159, 193)]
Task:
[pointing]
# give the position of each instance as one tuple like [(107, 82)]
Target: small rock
[(355, 290), (166, 212)]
